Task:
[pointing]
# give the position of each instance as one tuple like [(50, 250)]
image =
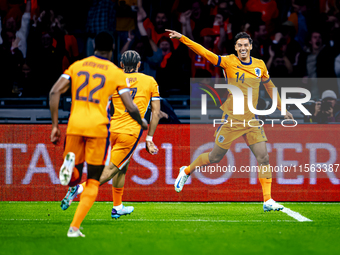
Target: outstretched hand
[(173, 34), (151, 148)]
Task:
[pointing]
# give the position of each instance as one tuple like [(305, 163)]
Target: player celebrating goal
[(242, 71), (126, 133), (94, 80)]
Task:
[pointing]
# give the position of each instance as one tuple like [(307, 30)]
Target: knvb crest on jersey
[(258, 72)]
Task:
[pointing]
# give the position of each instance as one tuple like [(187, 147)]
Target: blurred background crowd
[(295, 38)]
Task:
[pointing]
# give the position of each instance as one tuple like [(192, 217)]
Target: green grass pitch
[(170, 228)]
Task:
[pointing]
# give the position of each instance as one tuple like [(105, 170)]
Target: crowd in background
[(295, 38)]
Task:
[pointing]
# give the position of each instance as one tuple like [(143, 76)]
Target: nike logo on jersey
[(239, 67)]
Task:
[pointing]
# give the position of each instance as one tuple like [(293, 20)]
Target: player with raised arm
[(94, 80), (126, 133), (242, 71)]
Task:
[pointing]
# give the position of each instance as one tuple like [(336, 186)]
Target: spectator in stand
[(10, 64), (284, 52), (26, 82), (215, 4), (199, 18), (101, 17), (45, 60), (298, 18), (12, 19), (261, 42), (232, 17), (68, 42), (175, 61), (327, 110), (332, 28), (156, 29), (167, 49), (208, 38), (317, 62), (285, 8), (126, 12), (278, 64), (293, 49), (328, 6), (267, 8), (19, 23), (151, 55)]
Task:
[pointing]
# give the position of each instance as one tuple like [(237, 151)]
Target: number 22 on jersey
[(94, 90)]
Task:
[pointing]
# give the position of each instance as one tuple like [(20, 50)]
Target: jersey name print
[(93, 82), (143, 88)]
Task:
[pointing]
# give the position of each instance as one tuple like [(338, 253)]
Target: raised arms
[(197, 48)]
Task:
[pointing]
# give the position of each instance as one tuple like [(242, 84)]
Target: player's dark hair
[(103, 42), (130, 59), (243, 35)]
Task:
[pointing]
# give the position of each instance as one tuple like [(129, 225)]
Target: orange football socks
[(265, 178), (117, 194), (87, 199), (202, 160), (266, 188)]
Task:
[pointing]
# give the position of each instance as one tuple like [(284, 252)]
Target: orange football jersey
[(93, 81), (240, 74), (244, 76), (143, 88)]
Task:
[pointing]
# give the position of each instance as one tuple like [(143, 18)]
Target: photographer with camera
[(327, 110)]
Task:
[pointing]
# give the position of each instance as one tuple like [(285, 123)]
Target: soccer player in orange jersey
[(242, 71), (94, 80), (125, 132)]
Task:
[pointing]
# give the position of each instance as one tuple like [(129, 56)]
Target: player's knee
[(113, 170), (263, 159), (123, 170), (94, 171)]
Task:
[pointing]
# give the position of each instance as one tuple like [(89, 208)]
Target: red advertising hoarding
[(29, 166)]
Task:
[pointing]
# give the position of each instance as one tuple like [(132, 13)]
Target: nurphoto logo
[(238, 105)]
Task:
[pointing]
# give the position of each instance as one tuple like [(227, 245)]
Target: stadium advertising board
[(30, 164)]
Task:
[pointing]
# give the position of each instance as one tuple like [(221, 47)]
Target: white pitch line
[(295, 215), (161, 220)]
